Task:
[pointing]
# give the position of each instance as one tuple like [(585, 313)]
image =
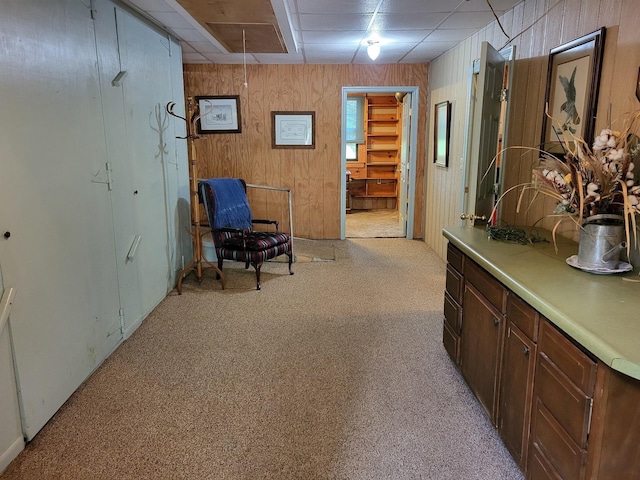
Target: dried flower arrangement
[(592, 179), (598, 179)]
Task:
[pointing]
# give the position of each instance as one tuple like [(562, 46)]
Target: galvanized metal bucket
[(601, 241)]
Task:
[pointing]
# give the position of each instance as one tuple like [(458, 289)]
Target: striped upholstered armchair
[(232, 226)]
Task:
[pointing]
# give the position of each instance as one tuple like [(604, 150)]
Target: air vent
[(260, 37)]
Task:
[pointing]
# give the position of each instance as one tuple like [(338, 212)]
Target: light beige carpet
[(336, 372), (377, 223), (308, 250)]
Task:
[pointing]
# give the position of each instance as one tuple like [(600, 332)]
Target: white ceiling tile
[(189, 34), (481, 5), (403, 36), (204, 47), (151, 5), (323, 37), (332, 31), (328, 58), (338, 49), (407, 21), (171, 20), (334, 6), (468, 20), (187, 48), (334, 22), (418, 6), (453, 34), (292, 6)]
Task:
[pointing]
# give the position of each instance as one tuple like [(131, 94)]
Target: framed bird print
[(571, 99)]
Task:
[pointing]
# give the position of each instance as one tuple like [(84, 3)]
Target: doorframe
[(413, 143)]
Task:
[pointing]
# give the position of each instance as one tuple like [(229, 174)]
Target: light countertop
[(600, 312)]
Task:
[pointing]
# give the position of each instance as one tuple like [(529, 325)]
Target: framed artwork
[(441, 127), (219, 114), (293, 129), (571, 99)]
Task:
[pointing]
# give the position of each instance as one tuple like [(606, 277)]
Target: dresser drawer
[(453, 313), (455, 258), (539, 467), (569, 359), (486, 285), (454, 284), (523, 316), (553, 453), (567, 403), (451, 342)]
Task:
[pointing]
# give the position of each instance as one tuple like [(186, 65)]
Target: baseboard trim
[(11, 453)]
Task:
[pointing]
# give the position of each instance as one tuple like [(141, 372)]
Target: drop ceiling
[(319, 31)]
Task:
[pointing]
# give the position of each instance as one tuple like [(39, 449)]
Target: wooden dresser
[(556, 371)]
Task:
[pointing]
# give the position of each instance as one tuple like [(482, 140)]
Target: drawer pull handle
[(496, 322), (525, 350)]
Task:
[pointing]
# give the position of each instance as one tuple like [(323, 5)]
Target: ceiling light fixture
[(373, 50)]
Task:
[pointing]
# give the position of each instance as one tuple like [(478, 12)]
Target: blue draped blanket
[(231, 207)]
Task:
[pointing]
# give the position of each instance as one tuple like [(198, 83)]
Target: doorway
[(378, 164)]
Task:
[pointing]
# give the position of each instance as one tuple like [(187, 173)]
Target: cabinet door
[(482, 332), (516, 390)]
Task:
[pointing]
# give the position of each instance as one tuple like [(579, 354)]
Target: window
[(355, 120), (352, 151)]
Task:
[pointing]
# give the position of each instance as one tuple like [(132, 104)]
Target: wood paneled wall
[(536, 26), (314, 176)]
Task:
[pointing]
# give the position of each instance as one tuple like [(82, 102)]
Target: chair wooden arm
[(267, 222)]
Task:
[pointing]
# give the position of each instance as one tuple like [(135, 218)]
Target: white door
[(60, 255), (143, 167), (403, 173), (480, 184)]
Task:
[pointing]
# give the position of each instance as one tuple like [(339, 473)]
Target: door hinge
[(475, 66), (104, 177), (92, 8), (121, 314), (503, 94)]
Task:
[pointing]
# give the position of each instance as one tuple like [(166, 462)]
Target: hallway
[(382, 223)]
